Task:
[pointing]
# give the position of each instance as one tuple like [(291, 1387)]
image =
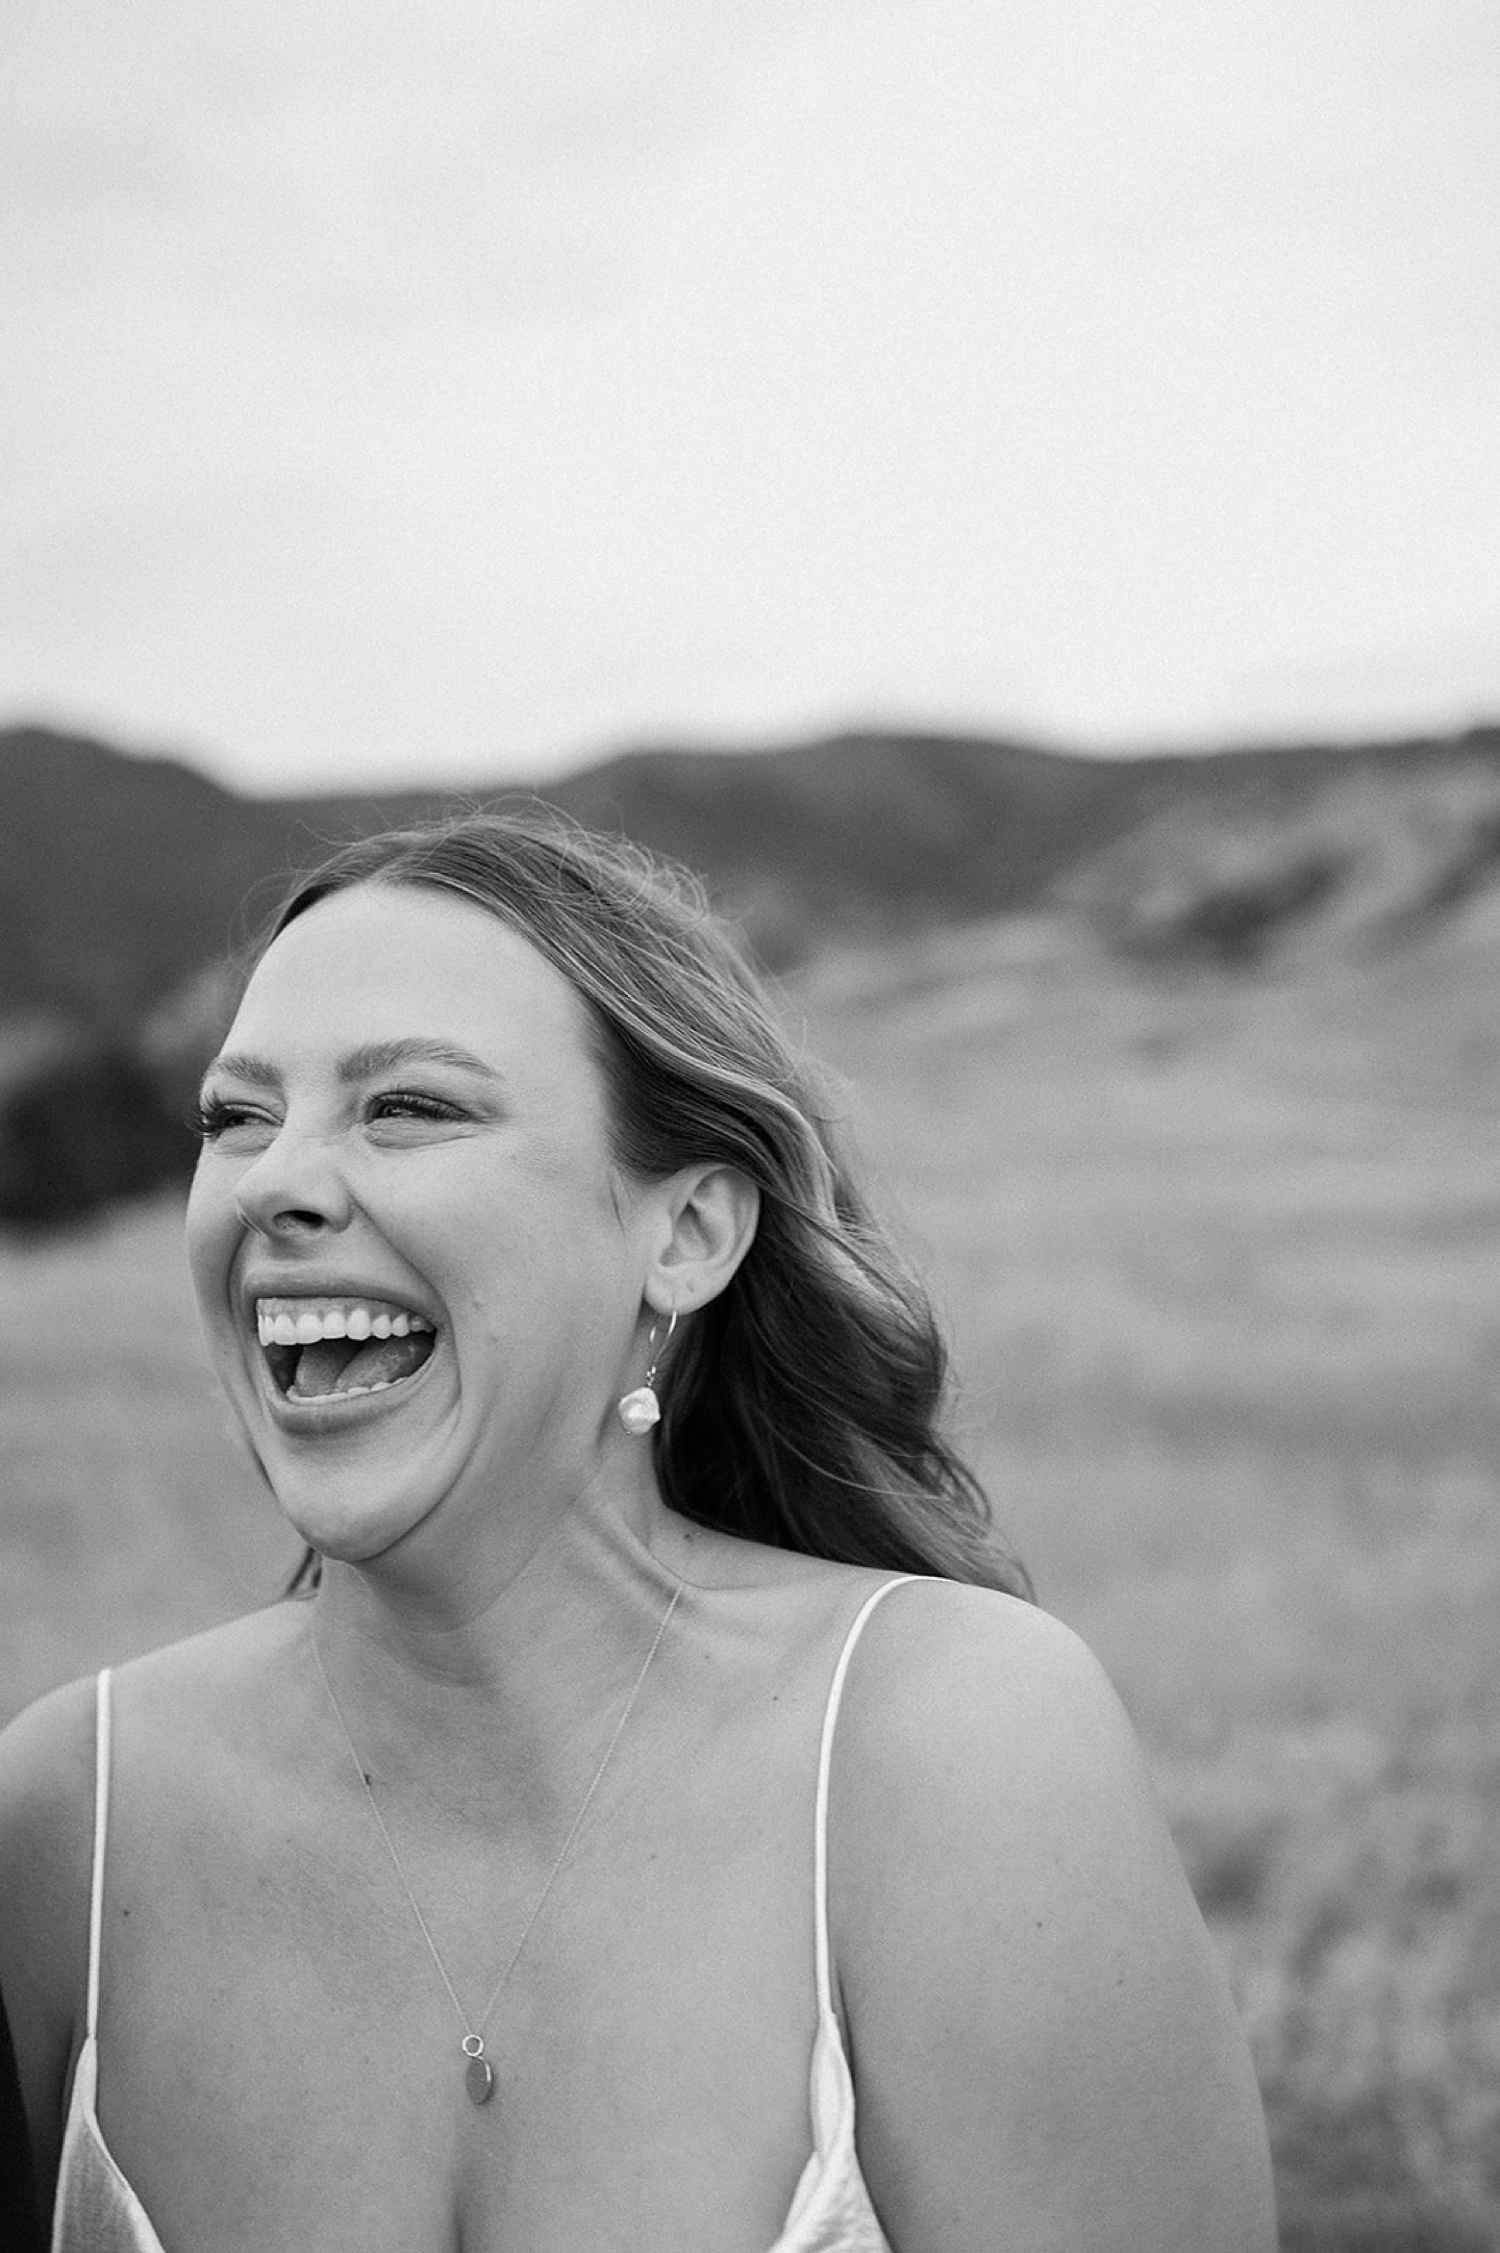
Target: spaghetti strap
[(825, 1762), (101, 1827)]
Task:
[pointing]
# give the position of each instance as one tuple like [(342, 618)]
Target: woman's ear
[(709, 1217)]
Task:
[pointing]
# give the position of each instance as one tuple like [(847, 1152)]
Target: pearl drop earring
[(640, 1409)]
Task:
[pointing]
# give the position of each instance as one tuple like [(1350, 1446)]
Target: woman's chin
[(350, 1527), (353, 1476)]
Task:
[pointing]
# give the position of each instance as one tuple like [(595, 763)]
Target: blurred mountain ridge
[(121, 876), (1322, 922)]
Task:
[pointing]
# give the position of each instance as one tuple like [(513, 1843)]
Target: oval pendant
[(478, 2080)]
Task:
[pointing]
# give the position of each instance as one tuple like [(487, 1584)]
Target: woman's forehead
[(384, 961)]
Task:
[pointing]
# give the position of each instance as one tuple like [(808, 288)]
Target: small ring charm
[(473, 2045)]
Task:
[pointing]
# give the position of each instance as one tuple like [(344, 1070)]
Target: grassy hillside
[(1219, 1258)]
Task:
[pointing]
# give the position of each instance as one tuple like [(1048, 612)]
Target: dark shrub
[(84, 1129)]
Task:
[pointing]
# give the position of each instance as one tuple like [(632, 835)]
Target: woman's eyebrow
[(255, 1069), (378, 1056), (362, 1063)]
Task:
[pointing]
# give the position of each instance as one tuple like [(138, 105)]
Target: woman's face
[(419, 1271)]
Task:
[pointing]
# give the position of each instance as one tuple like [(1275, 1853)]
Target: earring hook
[(652, 1347)]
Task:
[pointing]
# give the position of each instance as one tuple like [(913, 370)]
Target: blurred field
[(1221, 1263)]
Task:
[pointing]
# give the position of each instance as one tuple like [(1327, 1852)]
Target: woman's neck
[(441, 1676)]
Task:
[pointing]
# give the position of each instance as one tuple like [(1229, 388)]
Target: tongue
[(336, 1366)]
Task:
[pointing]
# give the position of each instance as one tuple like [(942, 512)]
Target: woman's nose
[(294, 1188)]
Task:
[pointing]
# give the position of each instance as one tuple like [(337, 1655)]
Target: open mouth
[(334, 1349)]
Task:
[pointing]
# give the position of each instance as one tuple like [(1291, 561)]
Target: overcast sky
[(445, 391)]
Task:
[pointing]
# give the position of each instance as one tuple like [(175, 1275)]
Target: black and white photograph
[(749, 1074)]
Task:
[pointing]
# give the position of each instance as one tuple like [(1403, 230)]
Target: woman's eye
[(221, 1115), (216, 1115), (407, 1103)]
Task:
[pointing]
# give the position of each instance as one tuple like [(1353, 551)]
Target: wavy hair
[(803, 1404)]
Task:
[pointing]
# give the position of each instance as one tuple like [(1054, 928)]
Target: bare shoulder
[(165, 1705), (208, 1677), (982, 1733), (48, 1753), (46, 1848), (1039, 2022), (46, 1797), (957, 1689)]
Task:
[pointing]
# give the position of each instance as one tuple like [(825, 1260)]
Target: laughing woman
[(664, 1825)]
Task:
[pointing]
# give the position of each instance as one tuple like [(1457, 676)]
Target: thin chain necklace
[(479, 2077)]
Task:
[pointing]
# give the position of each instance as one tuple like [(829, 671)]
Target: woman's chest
[(282, 2059)]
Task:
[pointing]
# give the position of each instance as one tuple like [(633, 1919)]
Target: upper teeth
[(306, 1322)]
